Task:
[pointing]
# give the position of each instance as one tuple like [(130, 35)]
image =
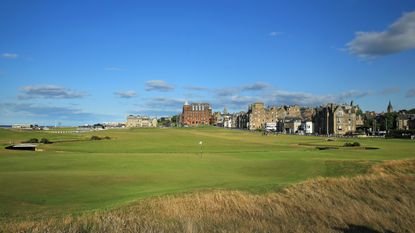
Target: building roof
[(24, 145)]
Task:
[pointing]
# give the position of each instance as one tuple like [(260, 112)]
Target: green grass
[(77, 175)]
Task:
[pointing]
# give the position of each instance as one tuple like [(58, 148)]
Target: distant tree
[(351, 144), (94, 137), (387, 121), (411, 111), (32, 140), (163, 121), (368, 122), (175, 119), (45, 141)]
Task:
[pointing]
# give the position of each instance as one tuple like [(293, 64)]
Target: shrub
[(45, 141), (94, 137), (351, 144), (32, 140)]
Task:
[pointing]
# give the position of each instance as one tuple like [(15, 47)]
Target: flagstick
[(201, 149)]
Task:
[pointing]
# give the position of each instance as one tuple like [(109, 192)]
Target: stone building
[(405, 121), (241, 120), (293, 111), (256, 116), (291, 125), (307, 113), (227, 121), (140, 122), (218, 119), (334, 119), (307, 127), (234, 120), (274, 114), (22, 126), (196, 114)]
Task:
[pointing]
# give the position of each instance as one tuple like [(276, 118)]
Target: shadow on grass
[(360, 229)]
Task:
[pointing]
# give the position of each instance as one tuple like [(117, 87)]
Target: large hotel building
[(196, 114)]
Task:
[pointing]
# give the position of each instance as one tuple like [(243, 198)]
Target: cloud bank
[(158, 85), (48, 112), (10, 55), (49, 92), (126, 94), (398, 37), (256, 87), (410, 93), (390, 91)]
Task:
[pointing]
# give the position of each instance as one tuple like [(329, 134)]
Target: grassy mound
[(382, 201)]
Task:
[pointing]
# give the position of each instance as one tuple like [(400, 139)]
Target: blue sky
[(78, 62)]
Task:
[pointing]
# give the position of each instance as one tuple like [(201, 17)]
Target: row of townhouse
[(330, 119), (140, 122), (405, 121), (335, 119)]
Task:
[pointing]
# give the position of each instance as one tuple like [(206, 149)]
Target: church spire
[(390, 108)]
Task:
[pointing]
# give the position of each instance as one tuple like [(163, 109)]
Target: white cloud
[(352, 94), (158, 85), (275, 33), (390, 91), (410, 93), (159, 106), (256, 87), (196, 88), (227, 91), (113, 68), (48, 112), (398, 37), (166, 103), (126, 94), (49, 92), (236, 99), (10, 55)]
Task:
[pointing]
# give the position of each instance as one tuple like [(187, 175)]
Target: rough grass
[(381, 201)]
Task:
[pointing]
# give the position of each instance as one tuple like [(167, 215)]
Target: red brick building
[(196, 114)]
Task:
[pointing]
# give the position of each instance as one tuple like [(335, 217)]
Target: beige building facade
[(140, 122), (256, 116), (334, 119)]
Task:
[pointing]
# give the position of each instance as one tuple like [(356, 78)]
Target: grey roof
[(25, 145)]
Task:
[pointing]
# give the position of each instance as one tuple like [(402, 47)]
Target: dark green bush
[(45, 141), (94, 137), (352, 144), (32, 140)]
